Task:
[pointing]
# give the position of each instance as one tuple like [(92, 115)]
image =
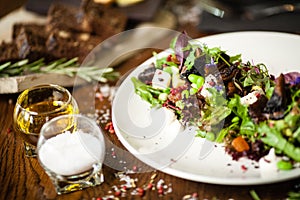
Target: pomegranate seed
[(141, 191), (135, 168), (8, 130), (195, 194), (244, 167), (118, 193), (150, 185), (169, 58), (212, 83), (160, 191)]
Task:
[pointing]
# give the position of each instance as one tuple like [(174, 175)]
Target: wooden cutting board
[(20, 83)]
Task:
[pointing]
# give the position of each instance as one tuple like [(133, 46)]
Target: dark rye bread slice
[(28, 26), (30, 40), (105, 19), (69, 32), (67, 17), (64, 44), (8, 52), (99, 19)]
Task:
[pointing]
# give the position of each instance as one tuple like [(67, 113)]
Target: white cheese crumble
[(252, 97), (249, 98), (161, 79), (176, 80), (207, 84)]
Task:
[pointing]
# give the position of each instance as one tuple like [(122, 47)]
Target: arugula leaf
[(257, 75), (215, 115), (236, 58), (237, 108), (224, 131), (274, 138), (216, 54), (269, 88), (296, 134), (217, 98), (161, 62), (173, 43), (190, 60), (216, 108), (147, 92), (293, 195), (294, 103), (247, 126)]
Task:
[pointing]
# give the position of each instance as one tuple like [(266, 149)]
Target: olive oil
[(30, 119), (37, 105)]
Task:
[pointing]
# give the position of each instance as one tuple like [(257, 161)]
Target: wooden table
[(23, 178)]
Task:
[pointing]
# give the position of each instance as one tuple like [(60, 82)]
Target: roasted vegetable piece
[(240, 144), (277, 104)]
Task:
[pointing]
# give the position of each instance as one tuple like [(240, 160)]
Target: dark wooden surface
[(23, 178), (6, 6)]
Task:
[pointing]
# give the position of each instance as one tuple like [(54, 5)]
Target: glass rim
[(76, 116), (60, 88)]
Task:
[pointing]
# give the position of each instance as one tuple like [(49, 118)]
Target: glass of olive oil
[(37, 105)]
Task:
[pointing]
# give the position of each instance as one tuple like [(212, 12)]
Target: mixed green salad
[(230, 101)]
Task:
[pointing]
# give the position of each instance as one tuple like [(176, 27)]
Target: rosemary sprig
[(61, 66)]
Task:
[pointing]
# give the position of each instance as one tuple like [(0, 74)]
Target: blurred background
[(208, 16)]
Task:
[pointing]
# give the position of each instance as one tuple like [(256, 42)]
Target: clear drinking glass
[(37, 105), (71, 149)]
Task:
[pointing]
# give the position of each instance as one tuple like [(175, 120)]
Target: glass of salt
[(71, 149)]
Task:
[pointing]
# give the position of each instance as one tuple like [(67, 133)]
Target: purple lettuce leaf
[(291, 78), (180, 45)]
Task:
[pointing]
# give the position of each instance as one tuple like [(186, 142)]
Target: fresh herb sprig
[(61, 66)]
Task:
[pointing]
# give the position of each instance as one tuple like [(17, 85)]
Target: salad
[(228, 100)]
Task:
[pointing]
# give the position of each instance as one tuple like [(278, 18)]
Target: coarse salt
[(71, 153)]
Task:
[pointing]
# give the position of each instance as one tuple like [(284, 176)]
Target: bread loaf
[(69, 32)]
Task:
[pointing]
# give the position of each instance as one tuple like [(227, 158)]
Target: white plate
[(151, 137)]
